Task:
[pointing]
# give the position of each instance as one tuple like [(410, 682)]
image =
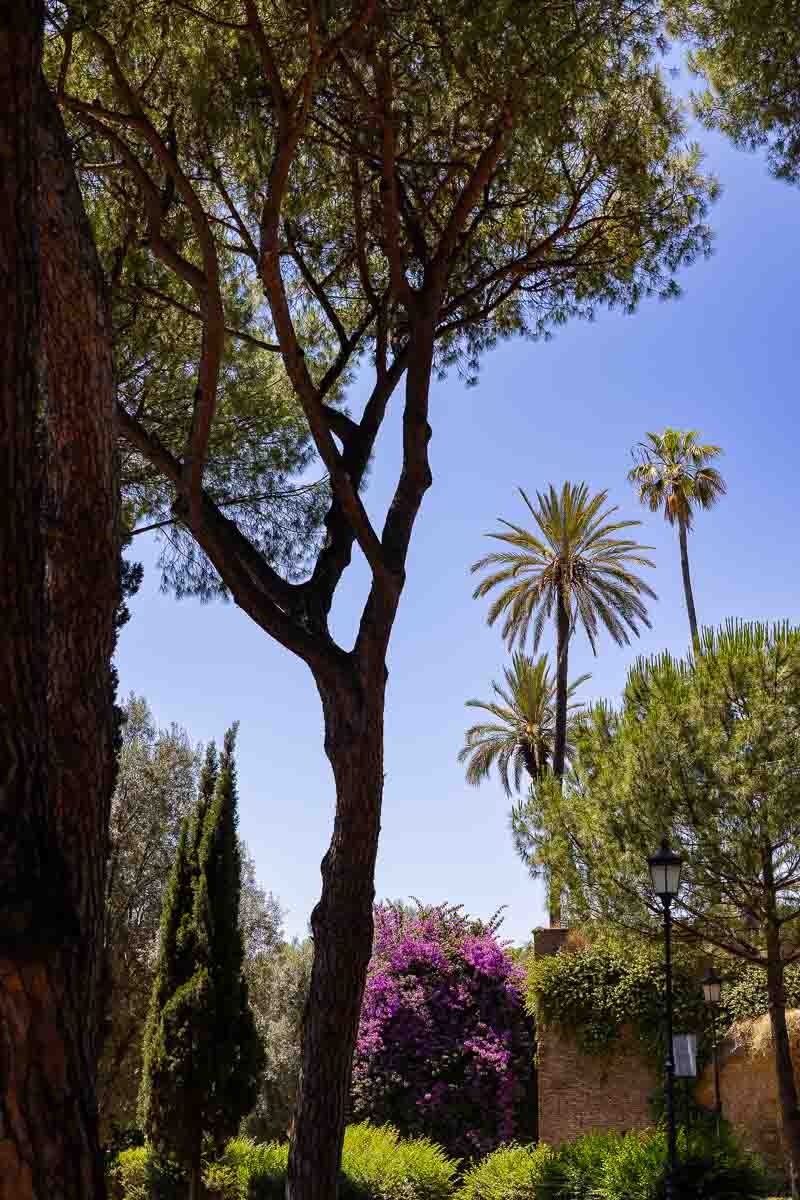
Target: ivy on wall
[(593, 993)]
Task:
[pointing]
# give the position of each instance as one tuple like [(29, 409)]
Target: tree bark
[(57, 757), (560, 736), (687, 579), (784, 1071), (342, 927)]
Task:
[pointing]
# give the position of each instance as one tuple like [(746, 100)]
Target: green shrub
[(126, 1174), (612, 1166), (377, 1164), (511, 1173)]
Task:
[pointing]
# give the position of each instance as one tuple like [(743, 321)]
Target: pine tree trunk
[(342, 927), (56, 747), (687, 579), (784, 1071), (196, 1177), (560, 738)]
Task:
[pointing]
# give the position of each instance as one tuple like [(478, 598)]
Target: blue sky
[(723, 360)]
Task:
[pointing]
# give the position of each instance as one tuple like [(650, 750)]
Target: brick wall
[(749, 1092), (581, 1092)]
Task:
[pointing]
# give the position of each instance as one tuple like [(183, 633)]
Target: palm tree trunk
[(560, 739), (687, 579)]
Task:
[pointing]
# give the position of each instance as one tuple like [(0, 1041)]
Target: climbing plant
[(594, 993)]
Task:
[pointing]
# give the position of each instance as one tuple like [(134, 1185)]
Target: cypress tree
[(237, 1058), (203, 1056)]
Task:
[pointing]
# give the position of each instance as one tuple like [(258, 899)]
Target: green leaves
[(522, 735), (203, 1055), (747, 53), (706, 752), (577, 554)]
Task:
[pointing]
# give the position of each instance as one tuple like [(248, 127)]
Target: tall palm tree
[(574, 568), (522, 734), (673, 472)]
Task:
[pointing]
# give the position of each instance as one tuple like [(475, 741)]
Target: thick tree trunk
[(196, 1177), (56, 675), (784, 1071), (342, 927), (687, 579), (560, 738)]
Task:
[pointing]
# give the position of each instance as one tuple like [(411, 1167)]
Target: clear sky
[(723, 360)]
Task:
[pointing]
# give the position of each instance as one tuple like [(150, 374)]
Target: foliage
[(565, 154), (156, 788), (614, 1166), (156, 782), (202, 1054), (594, 993), (575, 555), (376, 1165), (705, 751), (278, 983), (444, 1047), (509, 1173), (524, 730), (744, 995), (747, 53), (673, 474)]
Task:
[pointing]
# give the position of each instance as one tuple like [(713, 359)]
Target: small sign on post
[(684, 1055)]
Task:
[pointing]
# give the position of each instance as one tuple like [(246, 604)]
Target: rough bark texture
[(60, 685), (687, 579), (787, 1089), (342, 928)]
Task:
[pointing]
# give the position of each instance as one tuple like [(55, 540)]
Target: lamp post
[(712, 990), (665, 874)]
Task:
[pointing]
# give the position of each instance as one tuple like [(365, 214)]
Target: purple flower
[(444, 1046)]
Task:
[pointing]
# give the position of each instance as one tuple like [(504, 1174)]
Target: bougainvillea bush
[(445, 1047)]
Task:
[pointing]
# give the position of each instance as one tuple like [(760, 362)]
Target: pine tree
[(203, 1056)]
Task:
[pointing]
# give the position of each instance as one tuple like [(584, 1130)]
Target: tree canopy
[(528, 164), (747, 52)]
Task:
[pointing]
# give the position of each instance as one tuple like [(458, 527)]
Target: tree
[(387, 187), (706, 752), (59, 589), (575, 569), (155, 791), (157, 787), (445, 1049), (673, 471), (747, 52), (523, 733), (278, 982), (202, 1055)]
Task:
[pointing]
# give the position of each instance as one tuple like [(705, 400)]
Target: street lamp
[(665, 873), (712, 990)]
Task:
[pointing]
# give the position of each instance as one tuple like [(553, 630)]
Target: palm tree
[(673, 471), (573, 568), (522, 734)]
